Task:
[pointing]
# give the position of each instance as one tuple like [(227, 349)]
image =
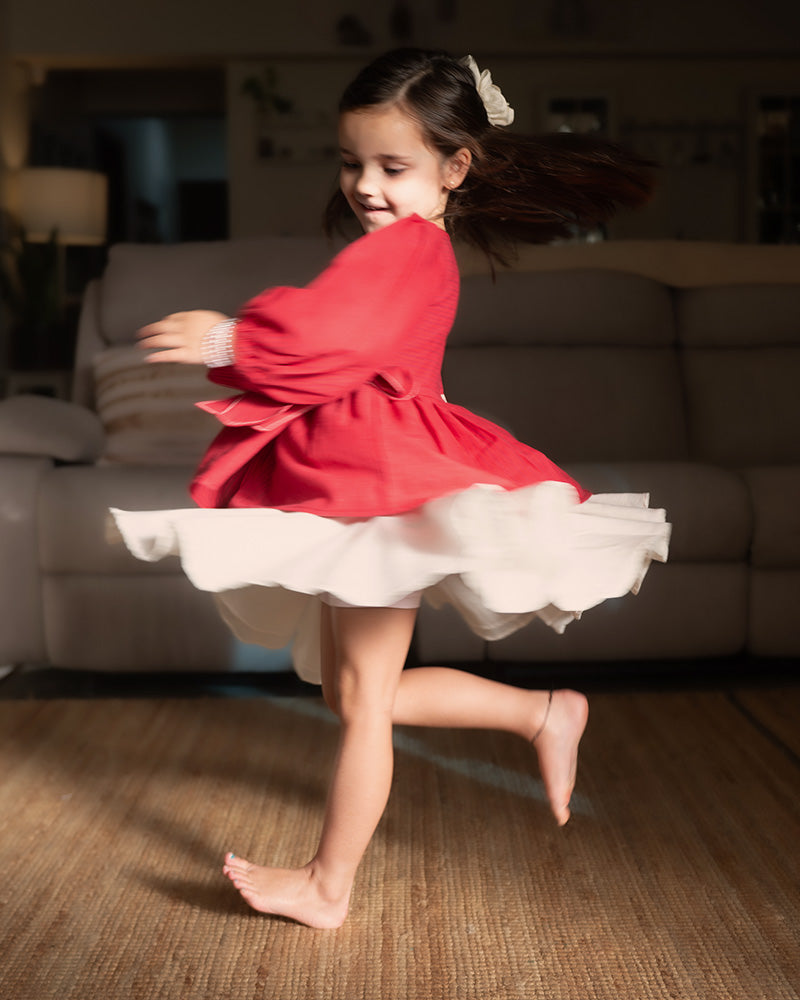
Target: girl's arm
[(307, 345)]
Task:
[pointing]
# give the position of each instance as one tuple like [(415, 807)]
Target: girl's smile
[(389, 173)]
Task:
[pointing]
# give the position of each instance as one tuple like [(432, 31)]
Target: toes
[(242, 884), (236, 864), (240, 872)]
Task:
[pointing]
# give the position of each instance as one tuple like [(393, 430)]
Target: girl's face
[(388, 173)]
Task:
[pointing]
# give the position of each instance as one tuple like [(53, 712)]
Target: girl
[(343, 486)]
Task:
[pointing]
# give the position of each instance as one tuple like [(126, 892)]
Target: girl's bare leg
[(438, 696), (441, 697), (366, 650)]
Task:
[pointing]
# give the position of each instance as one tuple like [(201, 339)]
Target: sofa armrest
[(38, 425), (22, 632)]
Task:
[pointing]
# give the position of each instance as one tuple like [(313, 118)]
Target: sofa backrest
[(586, 363), (143, 283), (581, 364), (740, 350)]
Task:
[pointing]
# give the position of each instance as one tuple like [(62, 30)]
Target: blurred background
[(176, 121)]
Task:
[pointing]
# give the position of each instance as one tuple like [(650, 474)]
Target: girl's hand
[(179, 336)]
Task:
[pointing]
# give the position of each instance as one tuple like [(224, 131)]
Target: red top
[(341, 412)]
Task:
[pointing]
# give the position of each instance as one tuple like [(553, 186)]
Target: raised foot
[(286, 892), (557, 747)]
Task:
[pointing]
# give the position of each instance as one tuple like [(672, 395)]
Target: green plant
[(29, 290), (263, 91)]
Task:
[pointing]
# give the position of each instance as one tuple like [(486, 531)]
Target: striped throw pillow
[(148, 410)]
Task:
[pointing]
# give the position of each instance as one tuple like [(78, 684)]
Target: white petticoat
[(502, 558)]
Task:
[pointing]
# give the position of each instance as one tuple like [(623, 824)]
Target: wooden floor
[(678, 876)]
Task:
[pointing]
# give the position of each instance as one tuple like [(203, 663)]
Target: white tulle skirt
[(502, 558)]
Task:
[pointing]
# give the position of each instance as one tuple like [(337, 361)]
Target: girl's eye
[(347, 165), (393, 171)]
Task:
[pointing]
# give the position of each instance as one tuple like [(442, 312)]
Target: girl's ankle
[(333, 888)]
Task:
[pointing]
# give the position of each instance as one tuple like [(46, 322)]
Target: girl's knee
[(367, 647), (330, 699), (361, 694)]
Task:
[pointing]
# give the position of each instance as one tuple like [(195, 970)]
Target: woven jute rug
[(678, 876)]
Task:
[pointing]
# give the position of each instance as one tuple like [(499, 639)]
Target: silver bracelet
[(217, 346)]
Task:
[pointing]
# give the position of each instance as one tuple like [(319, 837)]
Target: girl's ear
[(457, 168)]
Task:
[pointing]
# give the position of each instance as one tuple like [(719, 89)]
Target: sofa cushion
[(575, 403), (76, 531), (127, 623), (774, 599), (742, 369), (744, 405), (22, 635), (682, 612), (739, 316), (583, 308), (148, 410), (579, 364), (775, 495)]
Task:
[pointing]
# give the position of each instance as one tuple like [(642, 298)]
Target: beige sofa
[(666, 367)]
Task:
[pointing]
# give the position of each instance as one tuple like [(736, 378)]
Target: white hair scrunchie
[(498, 110)]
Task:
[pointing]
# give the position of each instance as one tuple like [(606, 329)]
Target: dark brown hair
[(519, 187)]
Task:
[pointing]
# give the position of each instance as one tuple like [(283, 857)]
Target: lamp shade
[(73, 202)]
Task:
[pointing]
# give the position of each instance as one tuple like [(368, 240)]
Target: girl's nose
[(366, 182)]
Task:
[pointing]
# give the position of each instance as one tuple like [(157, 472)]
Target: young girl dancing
[(343, 486)]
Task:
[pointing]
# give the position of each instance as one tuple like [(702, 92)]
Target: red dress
[(342, 473), (358, 355)]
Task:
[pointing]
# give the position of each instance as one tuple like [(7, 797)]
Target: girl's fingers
[(167, 345), (179, 351), (168, 324), (173, 354), (158, 340)]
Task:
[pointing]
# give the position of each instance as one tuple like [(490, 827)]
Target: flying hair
[(528, 188)]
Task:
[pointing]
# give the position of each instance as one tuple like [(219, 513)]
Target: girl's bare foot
[(556, 743), (287, 892)]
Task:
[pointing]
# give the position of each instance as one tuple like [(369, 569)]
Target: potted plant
[(262, 89), (30, 293)]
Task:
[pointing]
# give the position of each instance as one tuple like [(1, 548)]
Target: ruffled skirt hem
[(500, 557)]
